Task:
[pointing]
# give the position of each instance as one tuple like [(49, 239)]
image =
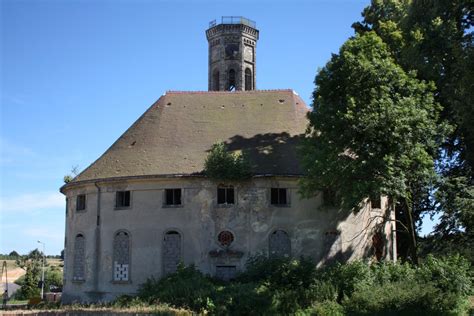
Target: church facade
[(145, 205)]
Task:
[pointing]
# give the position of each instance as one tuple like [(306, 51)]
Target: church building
[(145, 205)]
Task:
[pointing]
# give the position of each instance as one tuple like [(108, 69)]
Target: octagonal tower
[(232, 54)]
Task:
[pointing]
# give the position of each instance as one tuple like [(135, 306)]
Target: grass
[(17, 302), (159, 309)]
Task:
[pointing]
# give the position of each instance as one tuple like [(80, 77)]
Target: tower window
[(231, 82), (215, 79), (248, 79)]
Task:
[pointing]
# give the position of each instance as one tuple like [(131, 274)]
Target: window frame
[(173, 205), (226, 203), (78, 197), (286, 194), (122, 206)]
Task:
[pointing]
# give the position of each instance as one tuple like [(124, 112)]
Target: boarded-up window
[(121, 256), (171, 251), (226, 273), (279, 244), (79, 258)]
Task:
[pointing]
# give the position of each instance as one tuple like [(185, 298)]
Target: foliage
[(438, 286), (53, 279), (32, 263), (186, 288), (373, 126), (435, 38), (221, 164), (13, 254)]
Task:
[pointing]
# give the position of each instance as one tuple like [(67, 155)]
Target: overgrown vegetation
[(221, 164), (392, 114), (438, 286)]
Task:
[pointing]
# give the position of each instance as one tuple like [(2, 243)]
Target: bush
[(186, 288), (283, 286), (220, 164)]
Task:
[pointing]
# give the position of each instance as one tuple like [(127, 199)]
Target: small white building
[(145, 204)]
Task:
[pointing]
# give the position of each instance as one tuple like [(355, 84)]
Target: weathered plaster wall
[(315, 231)]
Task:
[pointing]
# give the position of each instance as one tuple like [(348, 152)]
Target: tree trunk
[(411, 231)]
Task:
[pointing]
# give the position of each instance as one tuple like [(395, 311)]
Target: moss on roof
[(175, 134)]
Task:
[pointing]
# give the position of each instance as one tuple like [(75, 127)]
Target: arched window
[(171, 251), (121, 256), (279, 244), (231, 81), (248, 79), (215, 80), (79, 258)]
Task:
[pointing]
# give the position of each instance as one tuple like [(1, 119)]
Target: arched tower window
[(215, 80), (79, 258), (279, 244), (248, 79), (121, 256), (171, 251), (231, 80)]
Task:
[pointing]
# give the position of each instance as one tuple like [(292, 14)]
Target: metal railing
[(234, 20)]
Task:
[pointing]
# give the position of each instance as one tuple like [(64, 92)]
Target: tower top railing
[(234, 20)]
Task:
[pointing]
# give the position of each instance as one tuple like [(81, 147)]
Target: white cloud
[(32, 202)]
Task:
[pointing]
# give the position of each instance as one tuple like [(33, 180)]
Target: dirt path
[(14, 274)]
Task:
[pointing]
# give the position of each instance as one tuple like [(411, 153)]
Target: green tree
[(435, 38), (373, 129), (32, 264), (13, 254), (221, 164)]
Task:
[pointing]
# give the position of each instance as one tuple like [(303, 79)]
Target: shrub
[(283, 286), (220, 164), (325, 308), (188, 288)]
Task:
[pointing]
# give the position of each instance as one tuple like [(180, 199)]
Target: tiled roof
[(174, 135)]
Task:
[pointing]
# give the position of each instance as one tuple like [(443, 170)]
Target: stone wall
[(160, 235)]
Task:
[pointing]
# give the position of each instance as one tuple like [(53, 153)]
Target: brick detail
[(280, 244), (171, 252)]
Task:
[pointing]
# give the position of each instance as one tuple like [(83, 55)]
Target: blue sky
[(76, 74)]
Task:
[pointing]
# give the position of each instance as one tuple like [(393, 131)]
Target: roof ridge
[(227, 92)]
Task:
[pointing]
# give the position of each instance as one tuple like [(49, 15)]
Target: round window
[(225, 238)]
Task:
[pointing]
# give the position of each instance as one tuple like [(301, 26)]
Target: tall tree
[(435, 38), (31, 263), (373, 129)]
